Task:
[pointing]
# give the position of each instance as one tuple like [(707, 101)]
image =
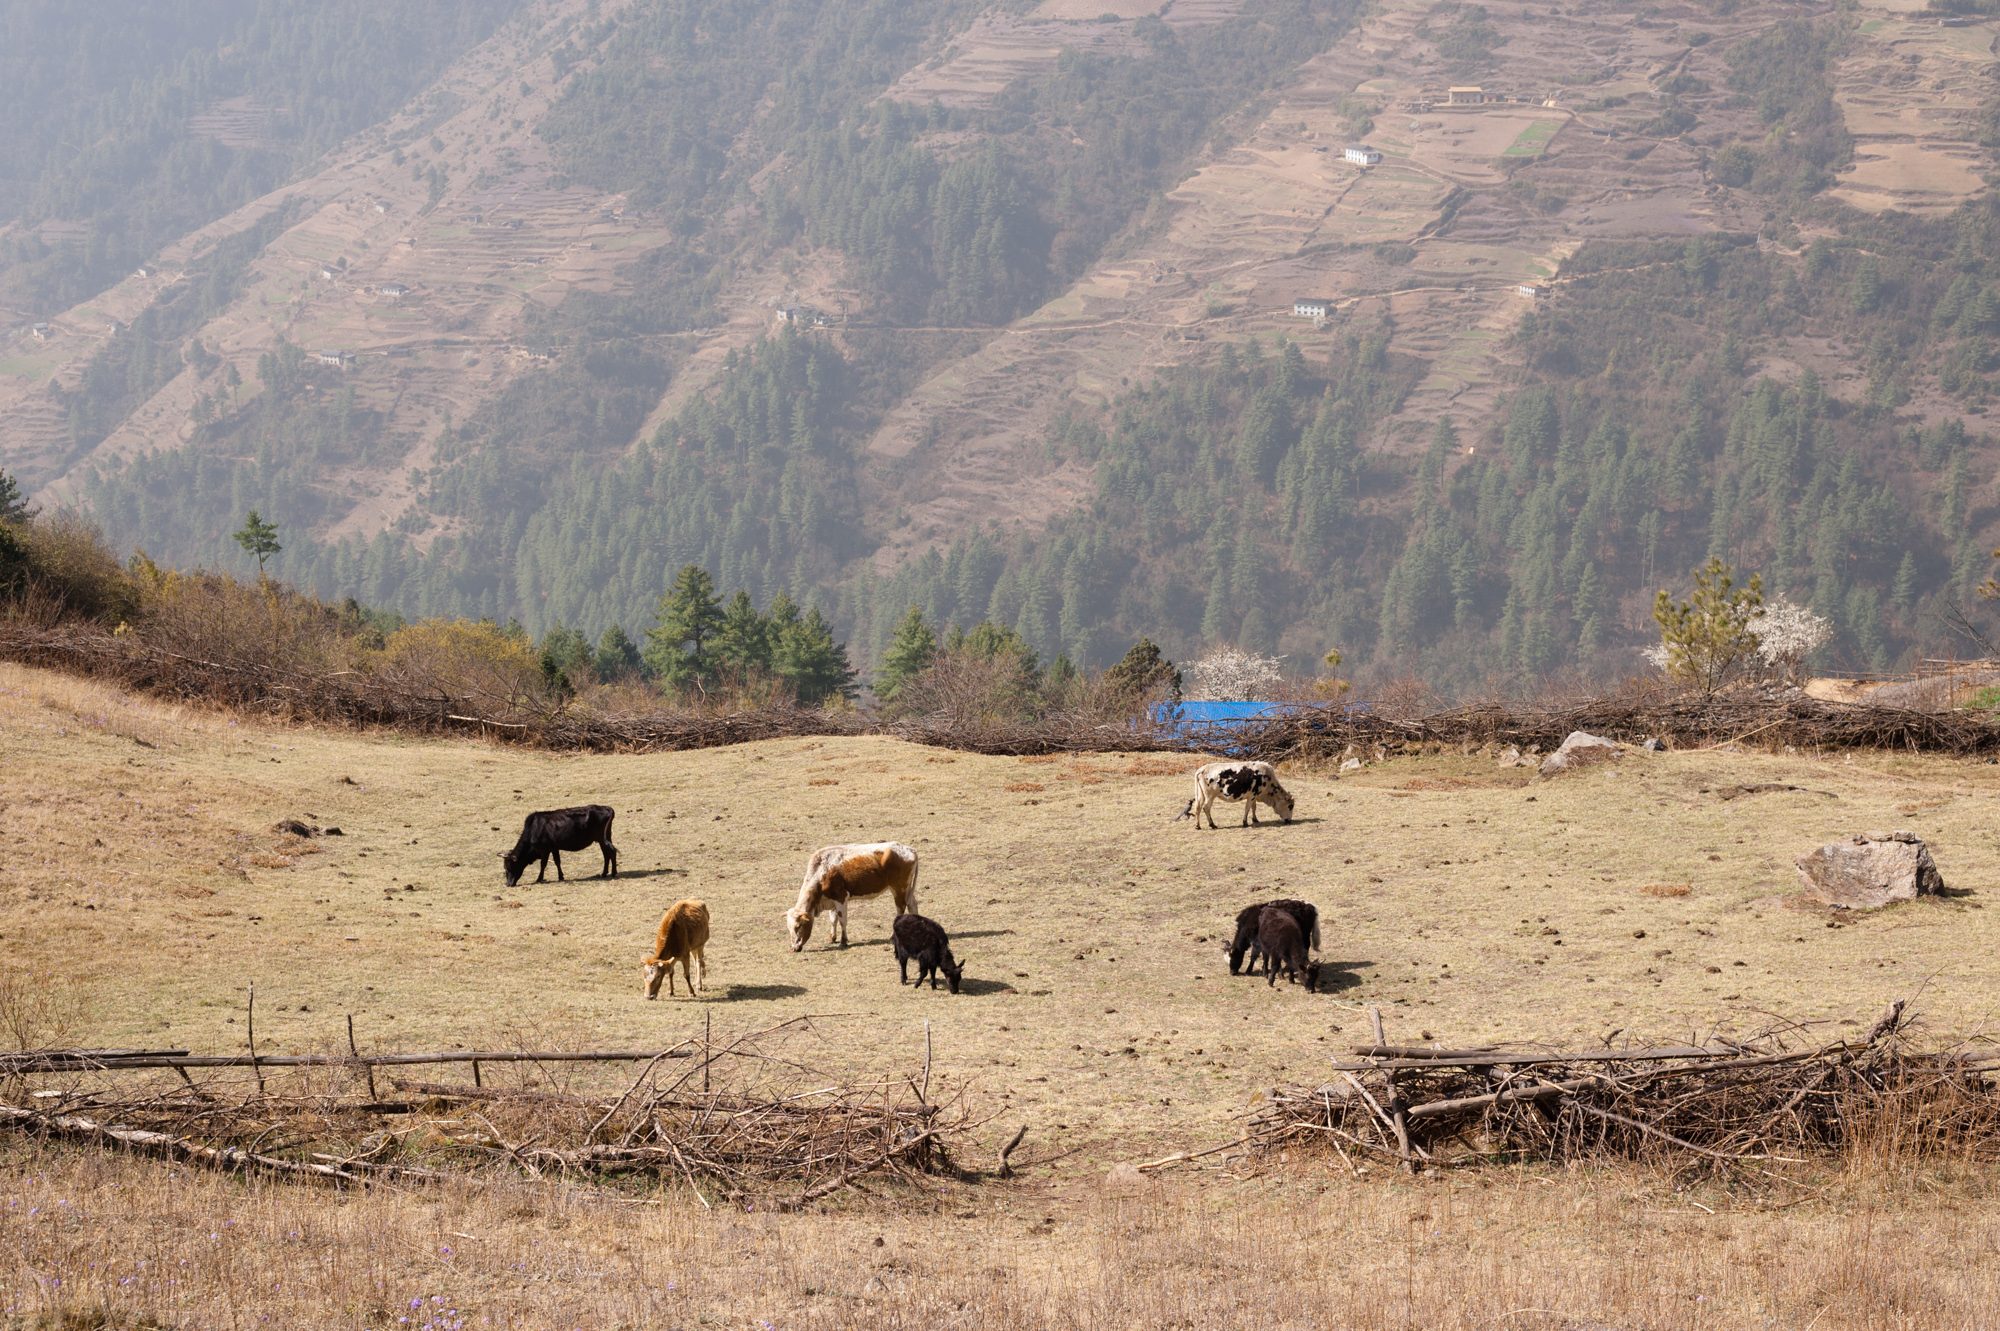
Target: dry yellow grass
[(89, 1242), (1470, 903), (1467, 901)]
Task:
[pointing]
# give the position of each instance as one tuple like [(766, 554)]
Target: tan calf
[(683, 934)]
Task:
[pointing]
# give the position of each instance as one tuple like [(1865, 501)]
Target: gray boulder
[(1581, 750), (1864, 872)]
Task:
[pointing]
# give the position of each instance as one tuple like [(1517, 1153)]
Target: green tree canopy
[(743, 641), (1707, 638), (678, 648), (911, 651), (806, 657), (1142, 670), (13, 504), (259, 538), (617, 655)]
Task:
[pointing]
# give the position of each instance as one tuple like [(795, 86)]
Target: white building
[(1361, 154), (1312, 307)]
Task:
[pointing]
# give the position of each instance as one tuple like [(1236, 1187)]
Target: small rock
[(1351, 765), (1655, 745), (1125, 1178), (1871, 870), (1511, 757), (1581, 750), (294, 827)]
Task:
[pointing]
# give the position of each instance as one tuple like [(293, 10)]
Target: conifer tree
[(13, 504), (1141, 671), (678, 649), (743, 641), (910, 653), (617, 655), (1707, 638), (259, 538), (806, 656)]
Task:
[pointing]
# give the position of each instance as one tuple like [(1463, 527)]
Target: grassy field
[(145, 888), (1469, 902), (1533, 139)]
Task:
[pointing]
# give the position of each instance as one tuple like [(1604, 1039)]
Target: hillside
[(514, 349)]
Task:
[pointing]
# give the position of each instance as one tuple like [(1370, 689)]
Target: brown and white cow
[(1253, 783), (683, 935), (836, 874)]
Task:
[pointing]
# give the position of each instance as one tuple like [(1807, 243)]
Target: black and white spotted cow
[(1250, 784)]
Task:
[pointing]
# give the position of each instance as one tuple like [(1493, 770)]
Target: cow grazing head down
[(801, 925), (954, 970), (1281, 800), (515, 865)]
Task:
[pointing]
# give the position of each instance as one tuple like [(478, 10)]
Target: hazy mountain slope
[(1036, 230)]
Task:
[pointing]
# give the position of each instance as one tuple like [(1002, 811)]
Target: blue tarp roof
[(1214, 725), (1211, 725)]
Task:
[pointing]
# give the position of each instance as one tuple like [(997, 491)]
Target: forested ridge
[(102, 128), (1655, 417)]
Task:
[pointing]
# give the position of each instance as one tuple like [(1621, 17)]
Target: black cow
[(1304, 912), (1284, 946), (922, 940), (553, 831)]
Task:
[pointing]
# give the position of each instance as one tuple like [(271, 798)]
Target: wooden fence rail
[(121, 1060)]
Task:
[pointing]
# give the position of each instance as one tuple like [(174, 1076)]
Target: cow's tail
[(1184, 813)]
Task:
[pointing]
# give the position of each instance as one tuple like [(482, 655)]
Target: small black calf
[(1284, 947), (1304, 912), (922, 940)]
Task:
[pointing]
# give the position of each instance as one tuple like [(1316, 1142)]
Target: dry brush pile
[(1769, 718), (1724, 1104), (732, 1121), (302, 669)]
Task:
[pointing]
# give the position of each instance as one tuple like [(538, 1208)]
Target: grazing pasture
[(144, 886), (1469, 902)]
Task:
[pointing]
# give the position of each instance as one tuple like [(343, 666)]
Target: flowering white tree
[(1230, 674), (1786, 635)]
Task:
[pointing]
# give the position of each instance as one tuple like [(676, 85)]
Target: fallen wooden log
[(1479, 1059), (149, 1142), (18, 1063)]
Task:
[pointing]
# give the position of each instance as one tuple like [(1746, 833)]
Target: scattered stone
[(1654, 745), (1511, 757), (1868, 871), (1351, 765), (1581, 750), (1125, 1178), (293, 827)]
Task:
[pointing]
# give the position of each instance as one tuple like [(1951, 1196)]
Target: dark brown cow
[(550, 832)]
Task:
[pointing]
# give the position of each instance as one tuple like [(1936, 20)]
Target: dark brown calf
[(1284, 947)]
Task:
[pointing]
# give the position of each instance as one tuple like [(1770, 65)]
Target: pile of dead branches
[(1724, 1103), (1766, 719), (301, 687), (772, 1129)]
